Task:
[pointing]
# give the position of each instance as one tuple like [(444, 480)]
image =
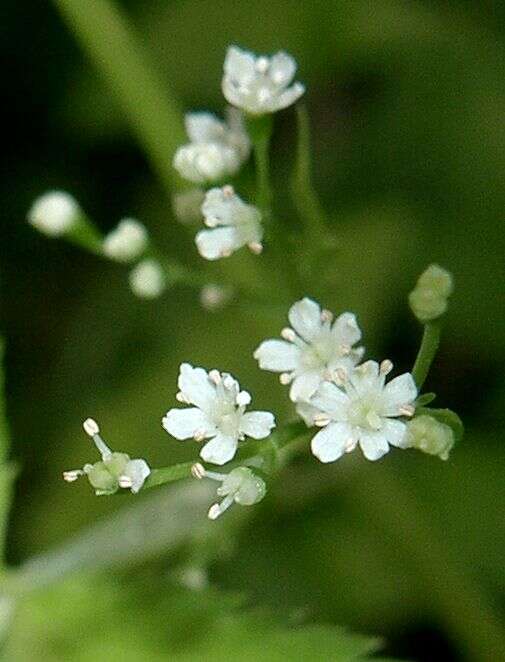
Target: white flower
[(216, 149), (218, 414), (234, 224), (115, 469), (262, 84), (362, 409), (147, 280), (54, 213), (240, 486), (312, 350), (127, 242)]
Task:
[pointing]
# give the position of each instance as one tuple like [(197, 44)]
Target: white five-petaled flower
[(216, 149), (240, 486), (233, 223), (360, 408), (54, 213), (312, 350), (218, 414), (115, 470), (126, 242), (261, 84)]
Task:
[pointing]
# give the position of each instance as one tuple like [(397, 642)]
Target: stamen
[(326, 315), (211, 221), (229, 382), (91, 427), (255, 247), (199, 435), (228, 191), (288, 334), (407, 410), (321, 420), (198, 471), (243, 399), (350, 445), (340, 376), (125, 481), (180, 397), (286, 378), (226, 252), (218, 509), (215, 376), (71, 476), (262, 64), (344, 349), (214, 511), (385, 367)]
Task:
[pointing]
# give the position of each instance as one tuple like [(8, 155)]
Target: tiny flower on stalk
[(216, 149), (55, 213), (430, 436), (359, 408), (261, 84), (312, 350), (218, 414), (214, 297), (429, 299), (147, 279), (115, 470), (233, 224), (126, 242), (240, 486)]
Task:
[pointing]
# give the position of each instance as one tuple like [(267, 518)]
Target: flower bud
[(148, 279), (430, 436), (54, 213), (126, 242), (247, 487), (428, 300)]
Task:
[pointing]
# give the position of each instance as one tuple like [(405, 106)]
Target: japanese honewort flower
[(261, 84), (240, 486), (54, 213), (127, 242), (361, 409), (115, 470), (233, 223), (147, 279), (312, 350), (216, 149), (218, 414)]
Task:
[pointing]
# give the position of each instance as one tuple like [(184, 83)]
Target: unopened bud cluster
[(429, 299), (430, 436)]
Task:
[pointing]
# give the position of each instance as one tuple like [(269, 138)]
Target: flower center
[(363, 413)]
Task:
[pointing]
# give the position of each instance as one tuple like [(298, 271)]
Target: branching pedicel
[(318, 356)]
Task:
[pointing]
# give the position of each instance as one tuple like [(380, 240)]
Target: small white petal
[(395, 432), (239, 65), (217, 243), (136, 471), (330, 443), (365, 377), (305, 318), (185, 423), (306, 412), (346, 330), (257, 424), (282, 69), (332, 400), (219, 450), (277, 356), (399, 391), (196, 387), (373, 444), (288, 97), (203, 127), (305, 385)]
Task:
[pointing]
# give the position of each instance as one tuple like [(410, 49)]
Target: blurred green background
[(407, 101)]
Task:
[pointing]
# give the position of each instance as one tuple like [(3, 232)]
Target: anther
[(321, 420), (91, 427), (407, 410), (215, 376), (198, 471), (288, 334), (326, 315), (286, 378), (228, 191), (199, 435), (385, 367), (255, 247)]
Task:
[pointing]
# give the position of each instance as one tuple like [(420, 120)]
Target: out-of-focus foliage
[(406, 103)]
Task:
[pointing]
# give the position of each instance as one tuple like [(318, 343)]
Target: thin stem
[(304, 194), (112, 45), (260, 130), (427, 352), (8, 470)]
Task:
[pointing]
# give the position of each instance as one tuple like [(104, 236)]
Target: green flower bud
[(428, 300), (430, 436), (246, 487), (101, 478)]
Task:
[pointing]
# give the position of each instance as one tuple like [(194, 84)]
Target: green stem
[(427, 351), (305, 197), (260, 130), (8, 470), (117, 53)]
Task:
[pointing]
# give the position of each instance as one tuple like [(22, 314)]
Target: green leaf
[(425, 399)]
